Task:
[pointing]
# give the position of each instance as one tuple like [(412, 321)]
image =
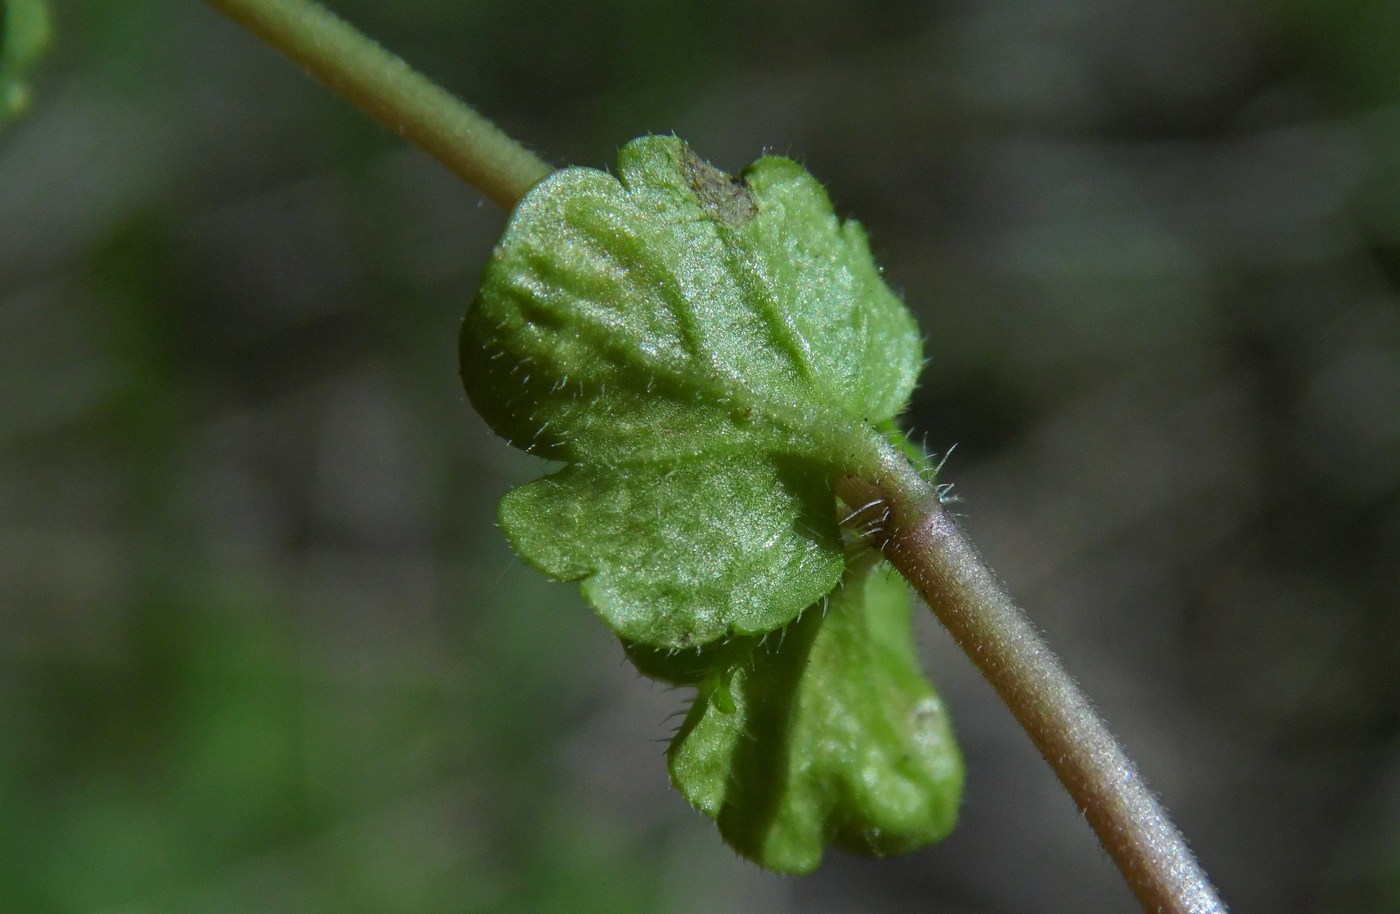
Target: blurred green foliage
[(24, 36), (261, 647)]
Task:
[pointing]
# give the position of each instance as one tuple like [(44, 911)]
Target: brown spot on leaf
[(725, 197)]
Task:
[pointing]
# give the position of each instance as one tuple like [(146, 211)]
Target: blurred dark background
[(263, 649)]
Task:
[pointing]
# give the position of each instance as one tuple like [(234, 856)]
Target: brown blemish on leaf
[(725, 197)]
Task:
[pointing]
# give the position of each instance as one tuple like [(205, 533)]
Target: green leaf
[(24, 36), (686, 554), (706, 354), (827, 734)]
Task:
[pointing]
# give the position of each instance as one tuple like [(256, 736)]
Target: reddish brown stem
[(922, 540)]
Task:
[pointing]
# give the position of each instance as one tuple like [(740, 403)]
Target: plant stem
[(918, 537), (924, 543), (394, 94)]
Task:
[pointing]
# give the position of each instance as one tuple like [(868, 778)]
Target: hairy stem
[(918, 537), (922, 540), (394, 94)]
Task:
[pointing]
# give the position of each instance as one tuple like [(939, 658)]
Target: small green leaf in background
[(706, 354), (24, 36), (827, 734)]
